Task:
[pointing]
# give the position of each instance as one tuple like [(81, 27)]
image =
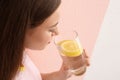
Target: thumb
[(65, 70), (64, 67)]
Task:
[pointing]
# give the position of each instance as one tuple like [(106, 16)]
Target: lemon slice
[(69, 48)]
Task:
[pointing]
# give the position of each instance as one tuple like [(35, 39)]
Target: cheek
[(47, 37)]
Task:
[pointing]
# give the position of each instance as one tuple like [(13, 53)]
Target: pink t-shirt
[(30, 71)]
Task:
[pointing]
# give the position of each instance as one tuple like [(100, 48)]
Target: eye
[(51, 30)]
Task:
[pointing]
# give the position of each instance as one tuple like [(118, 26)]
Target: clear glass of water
[(71, 51)]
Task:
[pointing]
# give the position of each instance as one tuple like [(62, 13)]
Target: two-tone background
[(98, 25)]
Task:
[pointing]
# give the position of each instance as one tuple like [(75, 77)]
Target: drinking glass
[(71, 51)]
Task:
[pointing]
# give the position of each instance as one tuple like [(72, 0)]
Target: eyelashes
[(53, 29)]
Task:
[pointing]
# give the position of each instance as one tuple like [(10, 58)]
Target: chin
[(39, 47), (42, 48)]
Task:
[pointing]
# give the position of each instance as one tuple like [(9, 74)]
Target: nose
[(55, 33)]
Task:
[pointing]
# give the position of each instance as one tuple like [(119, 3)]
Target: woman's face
[(39, 37)]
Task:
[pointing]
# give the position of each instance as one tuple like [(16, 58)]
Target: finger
[(65, 70), (64, 67), (85, 54), (87, 59), (69, 74), (87, 62)]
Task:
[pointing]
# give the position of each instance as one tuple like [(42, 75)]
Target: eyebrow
[(54, 25)]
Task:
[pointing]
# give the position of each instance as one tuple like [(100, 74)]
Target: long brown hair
[(16, 16)]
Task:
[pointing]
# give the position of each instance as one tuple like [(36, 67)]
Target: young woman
[(27, 24)]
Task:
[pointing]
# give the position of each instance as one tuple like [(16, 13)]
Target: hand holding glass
[(71, 51)]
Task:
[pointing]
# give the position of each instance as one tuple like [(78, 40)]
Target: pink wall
[(86, 17)]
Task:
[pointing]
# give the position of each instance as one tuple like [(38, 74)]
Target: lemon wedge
[(69, 48)]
